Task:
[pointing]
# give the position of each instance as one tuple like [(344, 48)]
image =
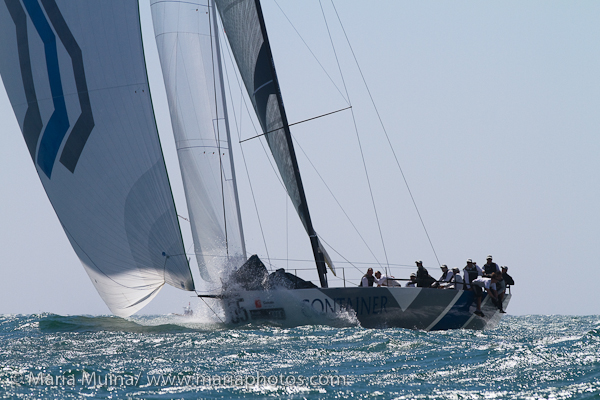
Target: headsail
[(75, 76), (188, 50), (245, 29)]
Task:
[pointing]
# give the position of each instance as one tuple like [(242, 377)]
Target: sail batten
[(75, 75)]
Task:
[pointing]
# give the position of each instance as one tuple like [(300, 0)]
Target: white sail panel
[(75, 75), (189, 59)]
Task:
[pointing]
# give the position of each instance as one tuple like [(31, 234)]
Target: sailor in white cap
[(471, 272), (458, 280), (445, 278), (490, 267), (413, 280)]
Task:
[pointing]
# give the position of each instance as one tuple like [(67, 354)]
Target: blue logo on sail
[(49, 26)]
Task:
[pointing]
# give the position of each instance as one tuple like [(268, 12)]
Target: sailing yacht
[(76, 78)]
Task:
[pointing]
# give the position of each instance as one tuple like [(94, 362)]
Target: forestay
[(75, 75), (188, 50)]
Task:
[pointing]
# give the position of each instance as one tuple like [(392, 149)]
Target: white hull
[(376, 307)]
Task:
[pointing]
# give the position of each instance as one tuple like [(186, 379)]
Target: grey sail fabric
[(75, 75), (242, 21), (188, 53)]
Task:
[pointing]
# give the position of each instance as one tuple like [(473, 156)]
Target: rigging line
[(386, 135), (296, 123), (273, 167), (253, 125), (336, 200), (233, 187), (312, 261), (243, 99), (242, 150), (221, 170), (313, 54), (338, 253), (357, 137), (209, 307)]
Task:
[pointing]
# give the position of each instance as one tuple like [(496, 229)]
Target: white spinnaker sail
[(75, 75), (188, 51)]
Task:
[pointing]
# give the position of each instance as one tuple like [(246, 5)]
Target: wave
[(524, 357), (146, 324)]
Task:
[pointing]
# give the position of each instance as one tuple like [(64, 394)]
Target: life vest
[(445, 275), (423, 278), (490, 268), (371, 279), (473, 273)]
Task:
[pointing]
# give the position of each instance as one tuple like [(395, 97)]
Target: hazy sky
[(492, 109)]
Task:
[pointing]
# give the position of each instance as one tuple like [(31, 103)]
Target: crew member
[(507, 278), (458, 280), (472, 271), (445, 278), (490, 267), (368, 279), (489, 284), (423, 277), (384, 280)]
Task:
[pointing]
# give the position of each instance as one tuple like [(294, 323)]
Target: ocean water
[(171, 357)]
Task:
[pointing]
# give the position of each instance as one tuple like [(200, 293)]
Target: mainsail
[(244, 26), (75, 75), (188, 49)]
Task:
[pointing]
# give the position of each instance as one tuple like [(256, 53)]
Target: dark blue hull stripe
[(458, 315)]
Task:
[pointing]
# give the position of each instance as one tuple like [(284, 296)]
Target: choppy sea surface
[(165, 357)]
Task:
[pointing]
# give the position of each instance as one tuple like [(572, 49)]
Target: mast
[(212, 6), (244, 26), (314, 239)]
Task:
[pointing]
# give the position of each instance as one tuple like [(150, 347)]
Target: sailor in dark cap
[(507, 278), (423, 277)]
